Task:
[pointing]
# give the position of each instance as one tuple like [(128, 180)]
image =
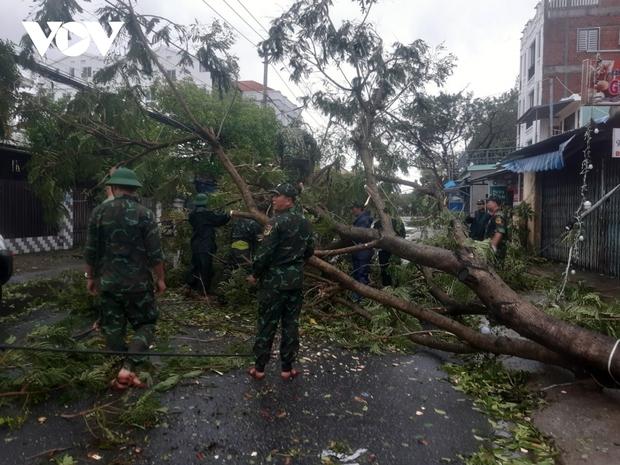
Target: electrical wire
[(117, 352), (275, 70)]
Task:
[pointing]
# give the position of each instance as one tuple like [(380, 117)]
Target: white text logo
[(85, 31)]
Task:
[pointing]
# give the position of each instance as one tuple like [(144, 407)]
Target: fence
[(22, 220), (21, 213), (558, 4)]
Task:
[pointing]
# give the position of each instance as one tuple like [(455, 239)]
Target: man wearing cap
[(278, 268), (496, 228), (203, 222), (361, 259), (478, 222), (122, 252)]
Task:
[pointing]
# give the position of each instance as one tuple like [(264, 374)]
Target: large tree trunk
[(587, 348)]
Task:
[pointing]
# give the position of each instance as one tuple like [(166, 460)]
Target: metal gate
[(83, 205), (21, 212), (560, 192)]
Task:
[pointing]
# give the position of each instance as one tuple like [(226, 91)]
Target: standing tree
[(9, 81), (362, 80), (436, 129), (495, 122)]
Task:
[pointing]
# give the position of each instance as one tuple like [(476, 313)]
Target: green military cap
[(124, 177), (286, 189), (201, 200)]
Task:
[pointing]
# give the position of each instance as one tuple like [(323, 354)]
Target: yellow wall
[(531, 196)]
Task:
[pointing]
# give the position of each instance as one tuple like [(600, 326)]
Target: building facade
[(554, 45), (569, 97), (286, 111), (84, 67)]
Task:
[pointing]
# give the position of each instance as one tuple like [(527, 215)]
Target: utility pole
[(265, 72)]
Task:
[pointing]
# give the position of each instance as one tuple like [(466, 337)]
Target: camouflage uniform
[(278, 265), (204, 222), (122, 246), (497, 224), (244, 240)]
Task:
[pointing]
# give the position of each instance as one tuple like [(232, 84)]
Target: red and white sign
[(600, 80)]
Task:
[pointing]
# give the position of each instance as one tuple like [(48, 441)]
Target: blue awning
[(544, 162)]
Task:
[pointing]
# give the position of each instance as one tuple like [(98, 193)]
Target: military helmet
[(286, 189), (201, 200), (124, 177)]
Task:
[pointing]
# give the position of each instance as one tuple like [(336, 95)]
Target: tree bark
[(587, 348)]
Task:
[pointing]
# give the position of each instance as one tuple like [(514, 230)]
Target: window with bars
[(587, 39)]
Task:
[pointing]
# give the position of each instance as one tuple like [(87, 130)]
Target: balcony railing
[(558, 4), (483, 157)]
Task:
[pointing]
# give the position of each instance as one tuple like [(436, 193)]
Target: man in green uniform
[(204, 222), (244, 241), (496, 228), (122, 251), (278, 268)]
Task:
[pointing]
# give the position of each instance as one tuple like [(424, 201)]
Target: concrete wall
[(531, 196)]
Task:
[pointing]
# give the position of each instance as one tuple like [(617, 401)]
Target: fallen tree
[(375, 81)]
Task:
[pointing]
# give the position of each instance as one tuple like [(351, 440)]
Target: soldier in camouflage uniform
[(278, 267), (122, 249), (244, 241), (496, 228)]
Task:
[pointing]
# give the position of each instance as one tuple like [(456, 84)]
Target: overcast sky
[(483, 34)]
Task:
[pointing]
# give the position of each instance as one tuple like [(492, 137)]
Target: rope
[(118, 352), (611, 356)]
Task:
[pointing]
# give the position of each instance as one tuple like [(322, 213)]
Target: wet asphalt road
[(400, 408)]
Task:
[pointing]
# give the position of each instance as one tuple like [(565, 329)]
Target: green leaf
[(167, 384)]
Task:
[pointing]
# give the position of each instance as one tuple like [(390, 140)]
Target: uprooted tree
[(370, 90)]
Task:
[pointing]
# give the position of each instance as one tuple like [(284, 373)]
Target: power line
[(307, 88), (227, 22), (117, 352), (253, 17), (243, 19), (284, 82), (264, 29)]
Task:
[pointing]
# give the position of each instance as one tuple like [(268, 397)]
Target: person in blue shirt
[(361, 259)]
